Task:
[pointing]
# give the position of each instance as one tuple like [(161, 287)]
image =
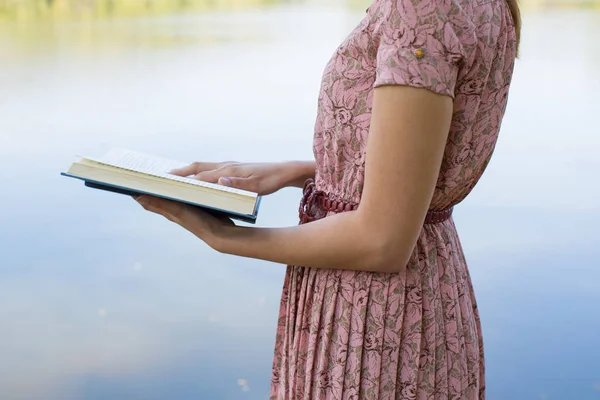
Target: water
[(101, 300)]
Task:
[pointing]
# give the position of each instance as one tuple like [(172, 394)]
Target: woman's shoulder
[(455, 30), (437, 44)]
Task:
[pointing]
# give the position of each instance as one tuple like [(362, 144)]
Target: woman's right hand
[(261, 178)]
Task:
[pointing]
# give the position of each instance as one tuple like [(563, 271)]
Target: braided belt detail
[(313, 197)]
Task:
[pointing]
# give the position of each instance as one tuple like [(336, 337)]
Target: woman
[(377, 301)]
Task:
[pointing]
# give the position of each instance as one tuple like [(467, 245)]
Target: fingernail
[(224, 181)]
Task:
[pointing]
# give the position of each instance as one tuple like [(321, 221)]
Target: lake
[(100, 300)]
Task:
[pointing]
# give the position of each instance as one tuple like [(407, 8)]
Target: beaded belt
[(313, 197)]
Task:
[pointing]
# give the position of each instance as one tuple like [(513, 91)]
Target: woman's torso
[(485, 30)]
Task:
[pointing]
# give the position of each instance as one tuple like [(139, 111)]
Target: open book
[(128, 172)]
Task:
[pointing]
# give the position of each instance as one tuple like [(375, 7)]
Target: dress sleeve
[(418, 45)]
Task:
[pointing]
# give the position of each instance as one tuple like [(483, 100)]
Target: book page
[(140, 162), (156, 166)]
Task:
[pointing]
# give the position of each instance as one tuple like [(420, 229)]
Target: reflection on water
[(99, 300)]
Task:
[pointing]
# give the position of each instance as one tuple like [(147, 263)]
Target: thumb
[(237, 183)]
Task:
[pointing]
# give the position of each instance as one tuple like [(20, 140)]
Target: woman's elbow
[(388, 256), (388, 246)]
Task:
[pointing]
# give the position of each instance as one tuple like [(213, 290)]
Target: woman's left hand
[(202, 224)]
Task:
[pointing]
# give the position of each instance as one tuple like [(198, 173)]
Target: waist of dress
[(313, 198)]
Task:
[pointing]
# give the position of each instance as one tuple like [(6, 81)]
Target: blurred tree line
[(66, 9)]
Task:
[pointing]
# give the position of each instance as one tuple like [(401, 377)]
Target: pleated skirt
[(361, 335)]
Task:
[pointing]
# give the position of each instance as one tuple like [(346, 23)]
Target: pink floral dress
[(416, 334)]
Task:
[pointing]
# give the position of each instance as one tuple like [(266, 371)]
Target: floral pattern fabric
[(416, 334)]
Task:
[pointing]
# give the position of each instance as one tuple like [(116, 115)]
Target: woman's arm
[(409, 129), (297, 172)]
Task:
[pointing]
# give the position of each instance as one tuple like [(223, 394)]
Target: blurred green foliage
[(32, 10)]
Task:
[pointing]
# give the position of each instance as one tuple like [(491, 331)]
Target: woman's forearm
[(297, 172), (341, 241)]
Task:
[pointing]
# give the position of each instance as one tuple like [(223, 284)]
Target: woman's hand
[(204, 225), (261, 178)]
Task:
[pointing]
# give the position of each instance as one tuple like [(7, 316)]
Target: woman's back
[(481, 97)]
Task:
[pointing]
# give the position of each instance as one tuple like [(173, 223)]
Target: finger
[(172, 210), (249, 184), (225, 219), (190, 218), (211, 176), (184, 171), (194, 168), (151, 203)]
